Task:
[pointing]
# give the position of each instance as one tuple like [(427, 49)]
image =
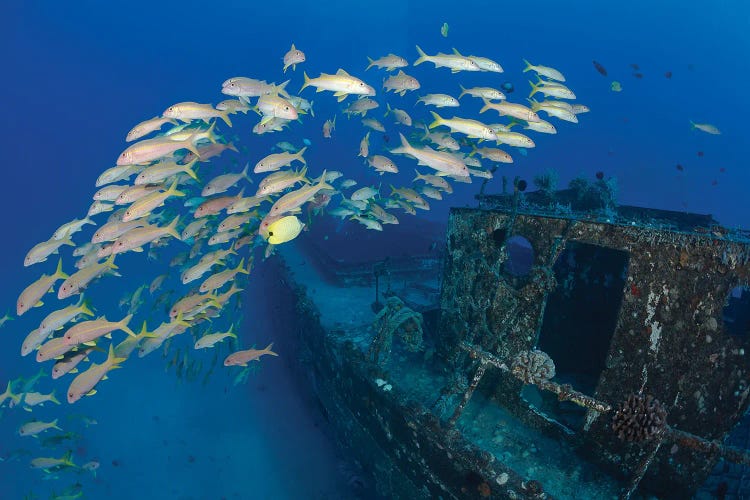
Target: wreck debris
[(395, 317), (469, 391)]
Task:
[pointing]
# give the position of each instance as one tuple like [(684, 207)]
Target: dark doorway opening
[(736, 313), (579, 320)]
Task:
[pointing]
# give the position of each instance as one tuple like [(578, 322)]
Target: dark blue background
[(78, 75)]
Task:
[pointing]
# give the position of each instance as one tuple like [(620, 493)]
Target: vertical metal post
[(469, 391)]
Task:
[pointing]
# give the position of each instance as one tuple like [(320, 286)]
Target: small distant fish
[(444, 30), (668, 75), (638, 75), (601, 69), (242, 358), (600, 175), (544, 71), (293, 58), (705, 127), (328, 127), (439, 100), (700, 153), (400, 83), (48, 463), (389, 62), (91, 466), (211, 339), (635, 67), (454, 62), (36, 427), (287, 146), (680, 168)]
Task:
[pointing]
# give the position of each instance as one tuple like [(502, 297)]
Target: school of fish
[(165, 192)]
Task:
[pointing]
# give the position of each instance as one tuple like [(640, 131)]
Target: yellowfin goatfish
[(136, 238), (222, 183), (273, 106), (36, 427), (545, 71), (188, 111), (276, 161), (438, 160), (439, 100), (400, 83), (143, 206), (69, 362), (454, 62), (147, 126), (243, 87), (211, 339), (148, 150), (242, 358), (32, 294), (43, 250), (81, 279), (471, 128), (293, 57), (89, 331), (342, 84), (705, 127), (389, 62), (361, 106), (84, 383), (48, 463), (511, 109)]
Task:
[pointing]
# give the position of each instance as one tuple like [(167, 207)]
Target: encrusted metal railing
[(535, 367)]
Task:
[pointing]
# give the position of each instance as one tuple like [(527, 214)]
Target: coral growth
[(639, 418), (533, 367)]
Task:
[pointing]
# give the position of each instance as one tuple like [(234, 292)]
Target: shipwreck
[(544, 345)]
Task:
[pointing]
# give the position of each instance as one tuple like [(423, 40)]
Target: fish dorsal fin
[(342, 72), (400, 73), (455, 51)]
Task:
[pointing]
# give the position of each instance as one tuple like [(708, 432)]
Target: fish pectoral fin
[(92, 343), (39, 304), (266, 119), (341, 97), (91, 392), (74, 370), (137, 249), (108, 336)]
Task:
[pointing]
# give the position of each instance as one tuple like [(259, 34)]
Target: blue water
[(78, 75)]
